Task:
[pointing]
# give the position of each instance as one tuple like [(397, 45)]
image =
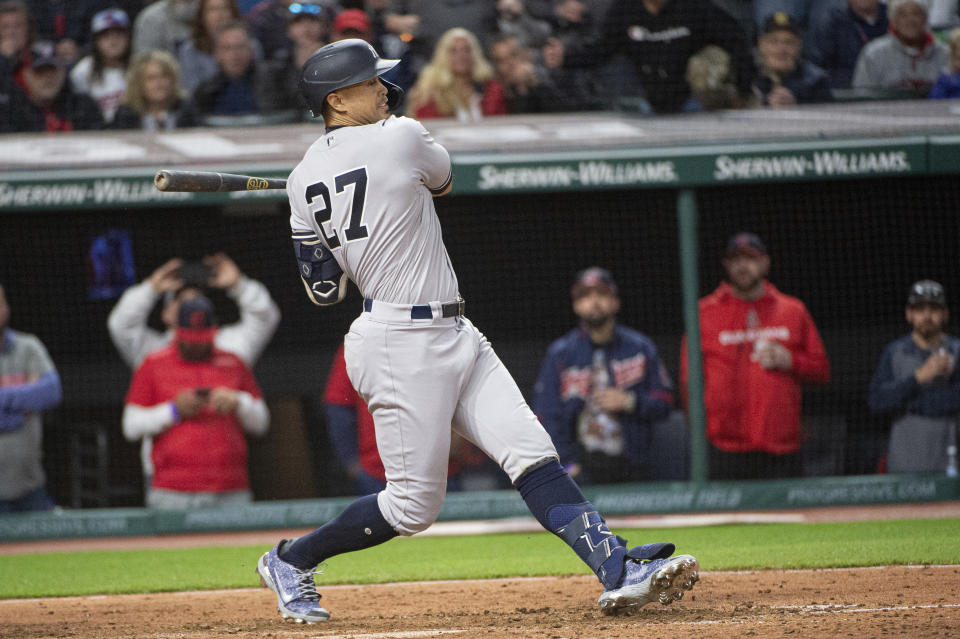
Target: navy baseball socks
[(288, 568), (631, 577)]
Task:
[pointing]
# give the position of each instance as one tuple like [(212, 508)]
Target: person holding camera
[(197, 402), (174, 282)]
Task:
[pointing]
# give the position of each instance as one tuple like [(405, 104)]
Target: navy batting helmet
[(341, 64)]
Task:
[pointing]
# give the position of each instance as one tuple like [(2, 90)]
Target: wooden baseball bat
[(211, 181)]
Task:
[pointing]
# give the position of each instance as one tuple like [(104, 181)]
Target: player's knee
[(413, 508)]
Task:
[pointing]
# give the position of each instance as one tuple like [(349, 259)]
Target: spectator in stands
[(600, 387), (530, 87), (29, 383), (759, 345), (944, 15), (197, 402), (422, 23), (458, 82), (16, 35), (269, 19), (573, 22), (242, 85), (47, 102), (164, 25), (917, 383), (197, 62), (175, 282), (102, 74), (835, 44), (351, 431), (513, 19), (948, 83), (154, 100), (658, 37), (307, 31), (353, 23), (785, 78), (65, 23), (907, 58)]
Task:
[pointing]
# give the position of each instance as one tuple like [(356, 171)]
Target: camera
[(195, 274)]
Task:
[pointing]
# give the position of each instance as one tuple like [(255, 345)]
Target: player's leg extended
[(493, 415)]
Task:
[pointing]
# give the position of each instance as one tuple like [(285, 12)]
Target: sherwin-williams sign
[(691, 166)]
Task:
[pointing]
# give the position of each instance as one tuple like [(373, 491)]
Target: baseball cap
[(43, 54), (781, 21), (593, 278), (196, 321), (354, 19), (927, 291), (748, 243), (109, 19)]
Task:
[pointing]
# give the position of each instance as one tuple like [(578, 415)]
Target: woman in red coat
[(458, 82)]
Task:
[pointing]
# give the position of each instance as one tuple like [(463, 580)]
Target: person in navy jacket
[(600, 387)]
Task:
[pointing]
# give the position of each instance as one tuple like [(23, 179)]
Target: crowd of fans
[(166, 64)]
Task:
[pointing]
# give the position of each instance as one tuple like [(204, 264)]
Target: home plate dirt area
[(897, 601)]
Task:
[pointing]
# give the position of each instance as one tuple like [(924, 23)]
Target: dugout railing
[(855, 201)]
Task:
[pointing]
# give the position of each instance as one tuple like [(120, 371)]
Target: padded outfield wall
[(854, 201)]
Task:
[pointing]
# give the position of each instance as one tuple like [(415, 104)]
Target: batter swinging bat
[(211, 181)]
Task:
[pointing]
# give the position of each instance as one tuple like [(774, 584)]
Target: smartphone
[(195, 274)]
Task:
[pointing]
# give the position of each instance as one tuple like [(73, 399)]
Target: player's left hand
[(224, 400), (613, 400), (774, 356), (224, 272)]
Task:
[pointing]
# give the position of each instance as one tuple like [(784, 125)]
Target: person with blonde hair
[(457, 82), (154, 99)]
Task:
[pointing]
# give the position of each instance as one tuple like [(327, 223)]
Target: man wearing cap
[(197, 402), (600, 387), (759, 345), (46, 102), (908, 57), (29, 384), (785, 78), (917, 383)]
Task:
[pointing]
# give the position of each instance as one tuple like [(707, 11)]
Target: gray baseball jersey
[(366, 191)]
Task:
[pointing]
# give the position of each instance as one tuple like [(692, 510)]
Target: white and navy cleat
[(297, 596), (662, 580)]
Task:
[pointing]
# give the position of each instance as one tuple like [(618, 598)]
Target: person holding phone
[(197, 402), (171, 284)]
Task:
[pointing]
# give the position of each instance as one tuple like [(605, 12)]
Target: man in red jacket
[(198, 403), (759, 346)]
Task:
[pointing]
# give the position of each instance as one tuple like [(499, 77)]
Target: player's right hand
[(166, 277)]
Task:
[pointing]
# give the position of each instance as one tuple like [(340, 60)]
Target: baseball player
[(362, 209)]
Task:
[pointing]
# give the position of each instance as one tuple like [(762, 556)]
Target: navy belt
[(423, 311)]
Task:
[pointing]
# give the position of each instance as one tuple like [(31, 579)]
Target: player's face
[(596, 306), (746, 271), (927, 319), (195, 352), (365, 102)]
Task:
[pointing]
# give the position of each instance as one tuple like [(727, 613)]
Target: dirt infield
[(874, 602), (915, 602)]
